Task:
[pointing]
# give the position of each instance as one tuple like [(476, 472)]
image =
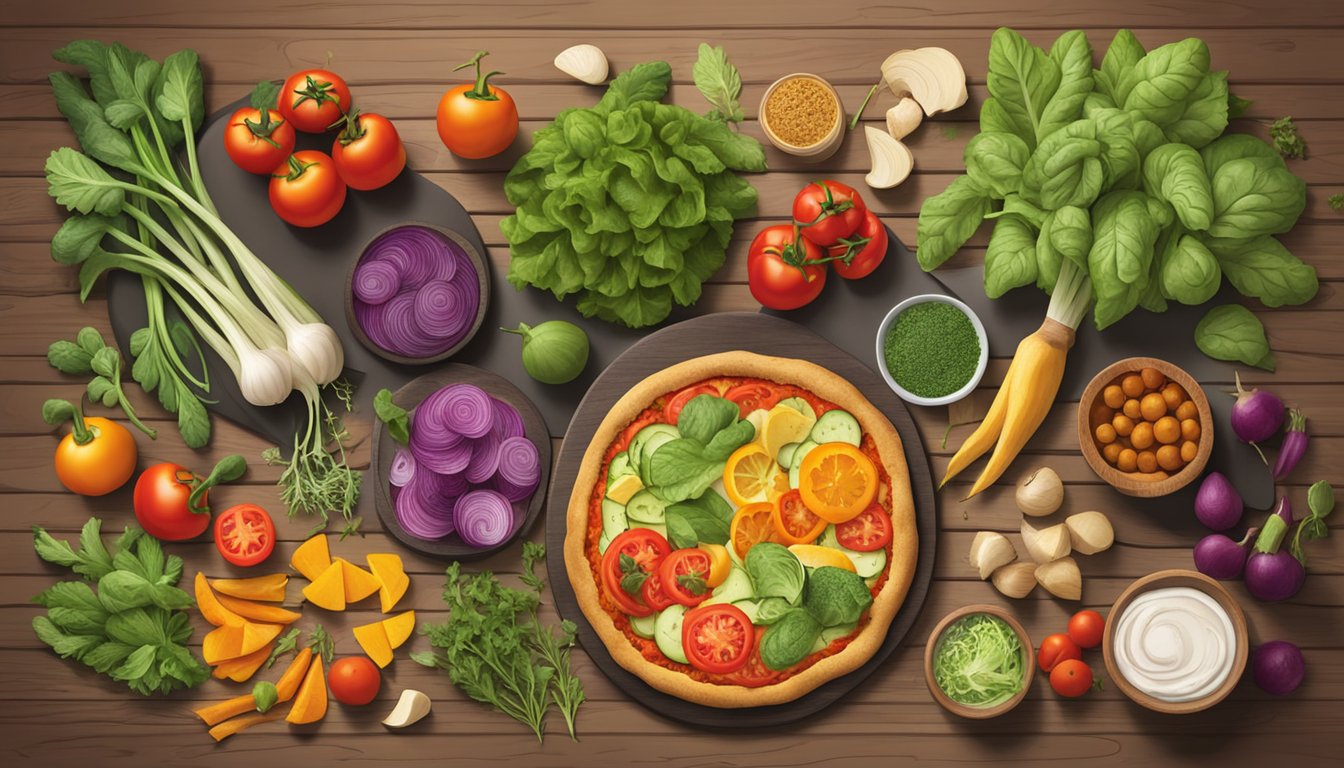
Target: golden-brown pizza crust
[(901, 566)]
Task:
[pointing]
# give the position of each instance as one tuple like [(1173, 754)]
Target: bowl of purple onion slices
[(417, 293), (472, 472)]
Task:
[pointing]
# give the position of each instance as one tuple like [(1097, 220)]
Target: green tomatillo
[(554, 352)]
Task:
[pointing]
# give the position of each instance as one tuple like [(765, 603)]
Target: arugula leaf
[(719, 82), (321, 643)]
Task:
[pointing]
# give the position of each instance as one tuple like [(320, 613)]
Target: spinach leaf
[(790, 639), (1232, 332), (679, 470), (948, 219), (719, 82), (775, 572), (769, 610), (1016, 204), (1048, 258), (1123, 54), (395, 418), (1206, 113), (1071, 234), (1021, 81), (1159, 84), (994, 161), (1255, 196), (722, 445), (705, 416), (1072, 54), (702, 520), (1263, 268), (1189, 272), (1121, 254), (1235, 146), (835, 596), (1010, 260), (1066, 168), (1175, 173)]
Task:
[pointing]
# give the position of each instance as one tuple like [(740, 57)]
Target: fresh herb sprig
[(322, 643), (718, 80), (88, 355), (1283, 133), (1336, 202), (288, 643)]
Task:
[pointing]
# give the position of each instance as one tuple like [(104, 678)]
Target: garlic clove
[(1061, 578), (904, 118), (990, 551), (892, 160), (1015, 580), (1090, 532), (933, 76), (411, 708), (1041, 493), (1045, 544), (583, 62)]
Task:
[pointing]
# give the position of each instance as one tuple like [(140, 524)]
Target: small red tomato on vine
[(863, 251), (828, 211), (784, 270)]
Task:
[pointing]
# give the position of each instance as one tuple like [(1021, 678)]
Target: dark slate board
[(722, 332), (848, 314)]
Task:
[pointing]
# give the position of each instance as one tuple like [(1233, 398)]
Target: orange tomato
[(837, 481), (751, 475), (751, 526), (719, 564), (794, 522), (477, 120), (100, 465)]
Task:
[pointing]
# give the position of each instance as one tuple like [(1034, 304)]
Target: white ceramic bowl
[(910, 397)]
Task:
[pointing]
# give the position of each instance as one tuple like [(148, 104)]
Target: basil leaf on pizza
[(789, 640), (775, 571), (705, 416)]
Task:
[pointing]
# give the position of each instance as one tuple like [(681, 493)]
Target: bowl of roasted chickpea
[(1145, 427)]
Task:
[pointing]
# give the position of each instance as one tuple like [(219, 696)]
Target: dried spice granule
[(932, 349), (801, 111)]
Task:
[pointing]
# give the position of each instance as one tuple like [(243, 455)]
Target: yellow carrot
[(984, 435)]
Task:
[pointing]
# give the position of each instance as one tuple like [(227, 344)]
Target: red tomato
[(673, 408), (828, 211), (868, 532), (718, 639), (160, 503), (244, 534), (368, 153), (1055, 649), (1086, 628), (868, 246), (684, 575), (314, 100), (751, 397), (643, 549), (783, 270), (477, 120), (653, 594), (307, 191), (1071, 678), (794, 522), (753, 673), (257, 140), (354, 680)]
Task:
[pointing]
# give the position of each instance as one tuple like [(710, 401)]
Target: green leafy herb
[(702, 520), (1286, 141), (287, 643), (717, 79), (978, 661), (1232, 332), (351, 528), (394, 417), (1321, 502), (265, 695), (632, 575), (265, 96), (1237, 106), (836, 597), (321, 643), (775, 572), (789, 639), (1336, 202), (629, 204), (132, 628), (685, 467), (496, 650)]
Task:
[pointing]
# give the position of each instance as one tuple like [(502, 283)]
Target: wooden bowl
[(812, 152), (1177, 578), (964, 710), (1141, 484)]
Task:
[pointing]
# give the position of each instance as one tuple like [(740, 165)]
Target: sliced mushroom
[(933, 76)]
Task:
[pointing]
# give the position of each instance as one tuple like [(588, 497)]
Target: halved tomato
[(868, 532), (794, 522), (244, 534), (837, 481), (684, 576), (751, 525), (678, 401), (749, 397), (626, 565), (718, 639)]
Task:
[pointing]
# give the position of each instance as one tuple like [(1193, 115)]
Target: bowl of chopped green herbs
[(932, 349)]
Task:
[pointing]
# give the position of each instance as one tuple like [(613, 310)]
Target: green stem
[(854, 121), (481, 90), (228, 469)]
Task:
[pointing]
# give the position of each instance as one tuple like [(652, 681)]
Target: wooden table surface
[(1283, 56)]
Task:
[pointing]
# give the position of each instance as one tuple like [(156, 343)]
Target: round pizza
[(742, 529)]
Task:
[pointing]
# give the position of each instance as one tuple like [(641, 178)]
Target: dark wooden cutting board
[(722, 332)]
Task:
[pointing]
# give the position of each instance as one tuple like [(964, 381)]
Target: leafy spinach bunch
[(133, 627), (629, 204), (1124, 171)]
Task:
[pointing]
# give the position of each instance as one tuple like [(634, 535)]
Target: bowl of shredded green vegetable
[(932, 349), (978, 662)]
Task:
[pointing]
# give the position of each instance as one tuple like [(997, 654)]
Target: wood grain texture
[(397, 55)]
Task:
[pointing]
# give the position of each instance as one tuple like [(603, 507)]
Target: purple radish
[(1256, 416), (1278, 667), (1294, 445), (1219, 557), (1218, 505), (1272, 573)]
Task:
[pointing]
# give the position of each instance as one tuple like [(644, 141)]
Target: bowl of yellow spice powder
[(801, 115), (932, 349)]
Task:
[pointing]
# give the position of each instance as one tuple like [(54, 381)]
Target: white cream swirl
[(1175, 644)]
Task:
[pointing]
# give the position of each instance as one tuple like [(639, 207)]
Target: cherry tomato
[(1086, 628), (828, 211), (368, 153), (354, 680), (753, 673), (477, 120), (868, 245), (868, 532), (653, 594), (314, 100), (161, 503), (306, 191), (783, 270), (751, 525), (718, 639), (794, 522), (244, 534), (1071, 678), (673, 408), (1055, 649), (751, 397), (257, 140), (684, 576), (102, 463), (643, 550)]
